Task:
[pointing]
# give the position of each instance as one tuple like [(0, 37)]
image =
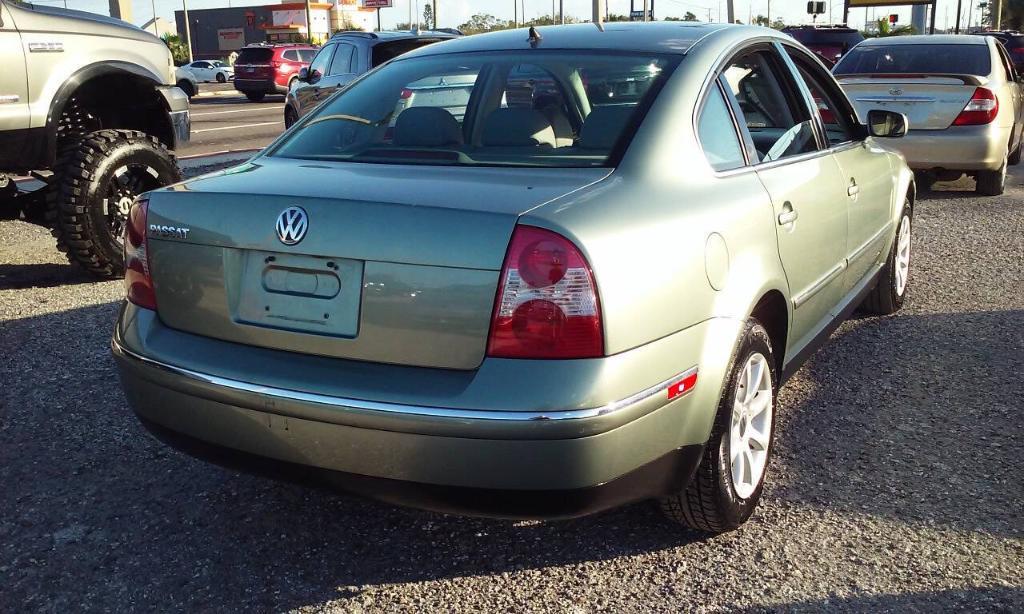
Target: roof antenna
[(535, 36)]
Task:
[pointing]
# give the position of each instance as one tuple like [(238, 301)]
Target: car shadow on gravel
[(909, 418), (914, 418), (41, 275), (988, 599)]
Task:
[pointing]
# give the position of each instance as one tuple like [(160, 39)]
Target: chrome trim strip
[(820, 284), (46, 47), (9, 98), (857, 253), (400, 408), (914, 99)]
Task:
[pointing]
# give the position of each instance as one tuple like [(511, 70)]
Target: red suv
[(269, 69)]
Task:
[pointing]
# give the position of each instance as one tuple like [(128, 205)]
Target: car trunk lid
[(255, 63), (398, 264), (930, 102)]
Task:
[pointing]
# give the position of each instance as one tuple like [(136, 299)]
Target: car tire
[(221, 78), (187, 87), (1014, 158), (991, 183), (255, 96), (726, 487), (290, 117), (894, 279), (96, 178)]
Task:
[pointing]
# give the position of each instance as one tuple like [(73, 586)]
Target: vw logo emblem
[(292, 225), (896, 91)]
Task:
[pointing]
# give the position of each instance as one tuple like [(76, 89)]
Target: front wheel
[(96, 179), (727, 485), (891, 289), (221, 78), (290, 117)]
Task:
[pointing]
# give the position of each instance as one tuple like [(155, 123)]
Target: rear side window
[(916, 59), (717, 133), (383, 52), (255, 55), (344, 60), (291, 55)]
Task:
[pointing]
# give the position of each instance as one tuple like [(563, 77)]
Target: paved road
[(227, 121), (897, 485)]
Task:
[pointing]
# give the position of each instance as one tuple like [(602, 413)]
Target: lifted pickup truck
[(89, 106)]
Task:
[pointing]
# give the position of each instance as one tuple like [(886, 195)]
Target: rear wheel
[(290, 117), (992, 183), (221, 78), (255, 96), (96, 179), (728, 483), (891, 288)]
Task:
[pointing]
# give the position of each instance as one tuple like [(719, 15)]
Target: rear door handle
[(788, 215)]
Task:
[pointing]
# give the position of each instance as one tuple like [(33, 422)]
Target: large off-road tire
[(894, 279), (991, 183), (728, 483), (96, 178), (255, 96)]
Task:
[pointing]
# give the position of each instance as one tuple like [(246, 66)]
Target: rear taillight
[(547, 305), (980, 109), (405, 94), (138, 283)]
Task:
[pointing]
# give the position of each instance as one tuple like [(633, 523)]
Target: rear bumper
[(497, 463), (959, 148), (259, 86)]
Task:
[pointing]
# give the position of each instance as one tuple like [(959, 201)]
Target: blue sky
[(454, 12)]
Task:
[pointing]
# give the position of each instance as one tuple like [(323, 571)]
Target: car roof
[(927, 39), (674, 37), (392, 35)]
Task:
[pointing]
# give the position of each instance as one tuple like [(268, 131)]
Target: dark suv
[(343, 58), (270, 69), (827, 42), (1014, 43)]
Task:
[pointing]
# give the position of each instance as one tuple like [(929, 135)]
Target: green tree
[(483, 22), (761, 20), (179, 50), (886, 29), (428, 17), (778, 24), (689, 16)]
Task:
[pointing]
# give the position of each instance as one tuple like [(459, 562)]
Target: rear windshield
[(255, 55), (840, 38), (388, 51), (916, 59), (541, 108)]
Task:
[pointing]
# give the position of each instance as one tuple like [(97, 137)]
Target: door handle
[(788, 215), (854, 189)]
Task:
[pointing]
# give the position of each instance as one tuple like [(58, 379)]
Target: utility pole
[(561, 12), (645, 10), (956, 29), (309, 25), (515, 13), (156, 28), (597, 17), (433, 26), (188, 31), (997, 16)]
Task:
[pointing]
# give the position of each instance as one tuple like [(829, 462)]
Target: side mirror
[(303, 74), (887, 124)]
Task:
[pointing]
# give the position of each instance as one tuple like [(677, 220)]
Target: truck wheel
[(96, 178), (255, 96), (991, 183), (891, 289), (727, 485)]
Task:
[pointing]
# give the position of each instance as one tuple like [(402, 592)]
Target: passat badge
[(292, 225)]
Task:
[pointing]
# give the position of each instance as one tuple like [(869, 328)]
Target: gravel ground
[(897, 484)]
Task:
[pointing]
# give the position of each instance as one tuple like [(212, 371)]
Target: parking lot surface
[(224, 120), (897, 483)]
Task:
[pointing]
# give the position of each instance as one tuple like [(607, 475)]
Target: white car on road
[(211, 70)]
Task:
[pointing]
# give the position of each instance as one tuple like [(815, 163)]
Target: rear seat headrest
[(518, 128), (427, 127), (604, 125)]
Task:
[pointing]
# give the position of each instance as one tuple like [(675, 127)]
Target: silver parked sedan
[(582, 285), (960, 93)]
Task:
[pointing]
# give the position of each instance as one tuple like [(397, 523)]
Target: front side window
[(343, 60), (496, 109), (779, 123), (318, 67), (717, 133), (835, 113), (914, 58)]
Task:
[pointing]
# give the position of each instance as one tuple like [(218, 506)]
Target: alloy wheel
[(750, 425), (128, 182), (902, 260)]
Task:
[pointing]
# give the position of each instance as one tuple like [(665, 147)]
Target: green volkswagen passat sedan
[(575, 280)]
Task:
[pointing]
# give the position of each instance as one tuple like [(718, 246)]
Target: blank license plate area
[(308, 294)]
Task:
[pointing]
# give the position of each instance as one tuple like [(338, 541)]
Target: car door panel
[(866, 170)]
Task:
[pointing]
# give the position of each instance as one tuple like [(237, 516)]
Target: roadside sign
[(639, 15), (377, 4)]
